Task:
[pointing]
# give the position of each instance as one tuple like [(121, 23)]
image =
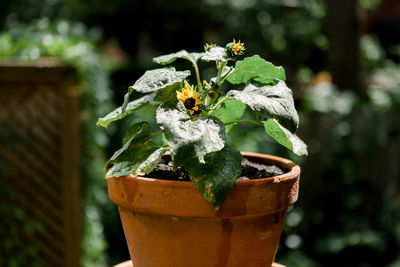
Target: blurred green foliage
[(15, 250), (348, 209), (288, 33), (75, 45)]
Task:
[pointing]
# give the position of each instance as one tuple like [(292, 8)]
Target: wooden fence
[(39, 150)]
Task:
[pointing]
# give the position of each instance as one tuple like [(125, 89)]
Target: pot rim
[(181, 198), (294, 171)]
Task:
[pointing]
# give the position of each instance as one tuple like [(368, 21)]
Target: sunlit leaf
[(256, 68), (215, 53), (132, 106), (168, 59), (138, 132), (216, 178), (138, 155), (169, 92), (154, 80), (230, 110), (187, 136), (125, 104), (137, 160), (274, 101), (285, 137)]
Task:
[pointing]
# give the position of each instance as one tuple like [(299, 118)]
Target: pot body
[(169, 224)]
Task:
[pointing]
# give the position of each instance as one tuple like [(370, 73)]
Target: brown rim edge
[(294, 171), (165, 194)]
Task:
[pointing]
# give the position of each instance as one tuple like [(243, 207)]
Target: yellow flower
[(189, 99), (238, 48)]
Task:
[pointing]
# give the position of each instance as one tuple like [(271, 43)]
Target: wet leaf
[(143, 102), (168, 59), (230, 110), (169, 92), (274, 101), (138, 132), (154, 80), (258, 69), (188, 137), (139, 159), (125, 104), (215, 53), (216, 178), (285, 137)]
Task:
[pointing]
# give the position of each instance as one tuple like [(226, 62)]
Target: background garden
[(342, 62)]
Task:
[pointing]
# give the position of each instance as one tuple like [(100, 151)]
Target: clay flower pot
[(169, 223)]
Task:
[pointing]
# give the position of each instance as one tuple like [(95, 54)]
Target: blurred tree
[(74, 45), (344, 35)]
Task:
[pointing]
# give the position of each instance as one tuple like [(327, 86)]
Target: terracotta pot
[(169, 223), (129, 264)]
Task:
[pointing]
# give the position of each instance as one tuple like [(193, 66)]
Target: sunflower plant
[(194, 118)]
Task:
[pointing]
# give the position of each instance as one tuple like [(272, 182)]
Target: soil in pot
[(250, 170)]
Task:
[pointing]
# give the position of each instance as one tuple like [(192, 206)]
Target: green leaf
[(154, 80), (258, 69), (225, 72), (138, 155), (138, 132), (164, 140), (216, 178), (168, 59), (285, 137), (187, 137), (126, 102), (137, 160), (169, 92), (230, 110), (215, 53), (273, 101), (145, 101)]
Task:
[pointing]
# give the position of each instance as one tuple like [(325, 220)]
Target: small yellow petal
[(187, 92)]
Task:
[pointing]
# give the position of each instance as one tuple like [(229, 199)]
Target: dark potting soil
[(250, 170)]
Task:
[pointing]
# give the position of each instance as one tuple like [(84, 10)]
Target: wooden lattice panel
[(39, 156)]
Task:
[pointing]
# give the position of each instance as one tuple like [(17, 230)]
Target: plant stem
[(155, 133), (224, 78), (221, 68), (196, 69), (246, 121), (219, 103)]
